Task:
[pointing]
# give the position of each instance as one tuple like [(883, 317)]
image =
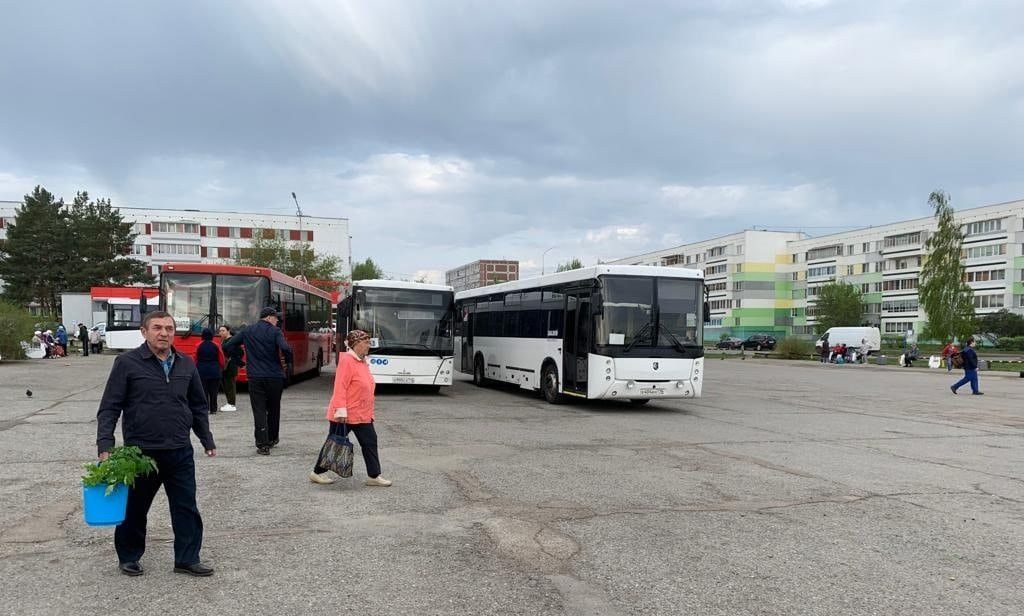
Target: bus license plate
[(404, 379), (651, 391)]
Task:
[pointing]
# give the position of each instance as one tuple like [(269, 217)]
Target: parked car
[(729, 343), (759, 342)]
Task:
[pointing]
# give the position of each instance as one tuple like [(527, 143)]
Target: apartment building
[(481, 273), (750, 287), (884, 262), (166, 236)]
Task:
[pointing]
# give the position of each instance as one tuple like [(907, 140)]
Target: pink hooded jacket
[(353, 390)]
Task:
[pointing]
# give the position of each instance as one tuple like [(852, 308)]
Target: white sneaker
[(228, 408), (378, 482), (322, 478)]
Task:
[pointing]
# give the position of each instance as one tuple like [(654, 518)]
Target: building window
[(849, 249), (739, 268), (717, 251), (739, 249), (139, 228), (824, 252), (714, 322), (865, 247), (992, 250), (737, 286), (211, 231), (176, 249), (715, 269), (796, 275), (904, 239), (176, 227), (898, 327), (983, 226), (899, 285), (817, 272), (849, 270), (985, 276), (138, 250), (716, 286), (900, 305), (988, 301), (865, 288), (878, 287)]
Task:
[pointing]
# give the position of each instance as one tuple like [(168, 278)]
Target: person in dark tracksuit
[(264, 345), (230, 372), (210, 362), (160, 395), (970, 369), (83, 336)]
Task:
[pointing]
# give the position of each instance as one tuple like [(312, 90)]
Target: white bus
[(611, 331), (124, 323), (410, 325)]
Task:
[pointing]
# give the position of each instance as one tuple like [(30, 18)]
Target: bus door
[(468, 320), (577, 342)]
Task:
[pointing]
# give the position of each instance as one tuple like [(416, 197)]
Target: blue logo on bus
[(378, 361)]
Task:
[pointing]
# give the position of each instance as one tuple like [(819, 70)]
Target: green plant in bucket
[(124, 465)]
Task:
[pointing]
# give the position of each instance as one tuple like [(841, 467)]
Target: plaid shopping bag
[(336, 455)]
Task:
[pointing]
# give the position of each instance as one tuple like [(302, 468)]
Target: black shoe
[(274, 442), (263, 450), (977, 393), (196, 570), (132, 568), (952, 389)]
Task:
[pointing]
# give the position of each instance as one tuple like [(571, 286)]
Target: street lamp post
[(544, 254), (302, 243)]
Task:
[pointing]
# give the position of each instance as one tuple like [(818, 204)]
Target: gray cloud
[(448, 131)]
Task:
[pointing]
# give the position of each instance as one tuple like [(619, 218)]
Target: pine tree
[(944, 295), (36, 256), (573, 264), (101, 241)]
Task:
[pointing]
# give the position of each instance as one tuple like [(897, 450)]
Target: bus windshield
[(189, 298), (406, 321), (631, 317)]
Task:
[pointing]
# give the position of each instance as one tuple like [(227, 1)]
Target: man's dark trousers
[(176, 471), (265, 398)]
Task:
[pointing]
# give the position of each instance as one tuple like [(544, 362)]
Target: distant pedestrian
[(230, 372), (351, 407), (83, 337), (62, 339), (160, 395), (210, 362), (826, 350), (264, 345), (865, 348), (948, 352), (95, 340), (970, 357)]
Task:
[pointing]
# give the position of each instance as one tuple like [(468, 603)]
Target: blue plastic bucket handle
[(101, 509)]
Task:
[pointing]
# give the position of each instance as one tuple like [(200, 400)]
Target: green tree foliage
[(839, 305), (52, 248), (1003, 323), (16, 326), (293, 259), (572, 264), (367, 270), (945, 297)]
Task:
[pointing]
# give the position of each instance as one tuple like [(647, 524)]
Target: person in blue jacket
[(62, 339), (970, 369), (210, 363), (264, 345)]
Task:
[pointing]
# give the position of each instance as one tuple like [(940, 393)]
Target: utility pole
[(302, 239)]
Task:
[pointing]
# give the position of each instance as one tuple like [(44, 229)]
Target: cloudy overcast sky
[(448, 131)]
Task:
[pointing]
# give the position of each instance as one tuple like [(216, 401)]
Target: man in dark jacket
[(970, 357), (83, 336), (160, 394), (264, 345)]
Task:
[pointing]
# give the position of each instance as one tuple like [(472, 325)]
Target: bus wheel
[(478, 372), (549, 384), (640, 401)]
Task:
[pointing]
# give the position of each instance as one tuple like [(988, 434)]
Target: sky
[(449, 131)]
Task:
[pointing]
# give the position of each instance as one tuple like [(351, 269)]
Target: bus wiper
[(672, 338), (636, 337), (196, 324)]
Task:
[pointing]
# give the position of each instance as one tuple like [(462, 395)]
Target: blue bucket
[(101, 509)]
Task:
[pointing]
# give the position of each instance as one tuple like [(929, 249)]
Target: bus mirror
[(707, 311)]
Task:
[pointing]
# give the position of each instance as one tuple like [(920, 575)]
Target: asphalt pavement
[(789, 488)]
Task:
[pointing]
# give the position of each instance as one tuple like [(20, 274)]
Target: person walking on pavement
[(351, 407), (970, 369), (159, 393), (264, 344), (83, 337), (210, 362), (230, 372)]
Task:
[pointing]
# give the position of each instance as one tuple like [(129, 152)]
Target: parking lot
[(789, 488)]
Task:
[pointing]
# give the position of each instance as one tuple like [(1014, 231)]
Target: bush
[(16, 326), (794, 348)]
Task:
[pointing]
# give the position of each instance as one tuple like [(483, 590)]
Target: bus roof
[(244, 270), (400, 284), (584, 274)]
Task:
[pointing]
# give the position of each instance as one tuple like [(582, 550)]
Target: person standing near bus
[(210, 362), (230, 372), (351, 407), (83, 337), (264, 345)]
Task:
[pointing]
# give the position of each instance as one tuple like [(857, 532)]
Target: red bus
[(200, 295)]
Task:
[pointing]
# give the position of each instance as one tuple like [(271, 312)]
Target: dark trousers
[(265, 398), (85, 347), (176, 471), (970, 376), (211, 386), (367, 438), (227, 381)]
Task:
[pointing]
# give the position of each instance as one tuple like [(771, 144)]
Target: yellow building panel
[(785, 259), (750, 266), (783, 303)]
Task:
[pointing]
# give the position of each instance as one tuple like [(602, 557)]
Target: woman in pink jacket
[(351, 407)]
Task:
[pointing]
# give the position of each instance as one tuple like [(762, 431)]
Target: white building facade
[(768, 282), (166, 236)]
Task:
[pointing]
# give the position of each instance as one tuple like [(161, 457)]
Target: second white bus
[(606, 332), (410, 325)]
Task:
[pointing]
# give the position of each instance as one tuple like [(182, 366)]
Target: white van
[(851, 337)]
